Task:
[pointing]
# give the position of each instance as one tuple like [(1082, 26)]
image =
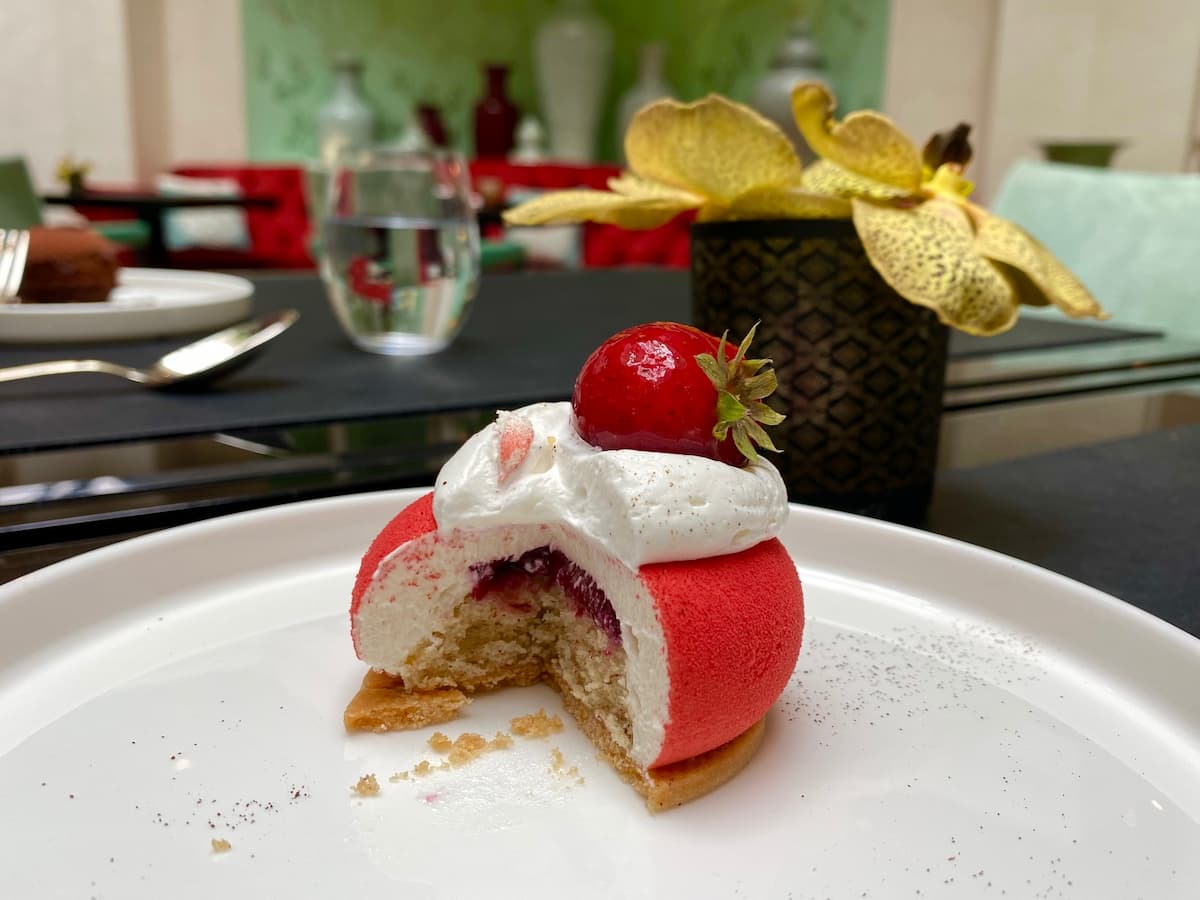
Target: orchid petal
[(928, 255), (1008, 243), (865, 142), (826, 177), (564, 207), (712, 147), (786, 203)]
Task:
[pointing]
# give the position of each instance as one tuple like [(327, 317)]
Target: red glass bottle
[(495, 116)]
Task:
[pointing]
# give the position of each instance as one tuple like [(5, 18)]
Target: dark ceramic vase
[(861, 370)]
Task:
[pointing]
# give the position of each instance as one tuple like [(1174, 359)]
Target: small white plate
[(960, 725), (146, 303)]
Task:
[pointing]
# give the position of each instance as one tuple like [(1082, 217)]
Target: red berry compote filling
[(509, 573)]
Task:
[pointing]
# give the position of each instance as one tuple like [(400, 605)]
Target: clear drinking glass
[(399, 249)]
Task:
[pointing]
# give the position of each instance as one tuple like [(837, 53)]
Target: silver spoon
[(206, 359)]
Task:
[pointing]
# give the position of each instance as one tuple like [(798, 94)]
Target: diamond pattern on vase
[(861, 371), (817, 267), (815, 328), (883, 380), (851, 353), (845, 410)]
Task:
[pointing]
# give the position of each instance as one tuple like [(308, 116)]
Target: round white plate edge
[(28, 323), (913, 549)]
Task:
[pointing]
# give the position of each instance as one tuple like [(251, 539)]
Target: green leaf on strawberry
[(741, 385)]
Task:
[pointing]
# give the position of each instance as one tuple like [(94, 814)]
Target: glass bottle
[(495, 116), (650, 86), (346, 121)]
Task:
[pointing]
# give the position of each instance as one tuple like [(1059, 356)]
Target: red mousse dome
[(725, 631)]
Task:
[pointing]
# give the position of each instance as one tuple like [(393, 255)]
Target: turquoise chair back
[(19, 203), (1132, 237)]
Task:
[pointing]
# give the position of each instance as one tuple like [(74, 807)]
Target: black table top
[(525, 340), (1122, 516)]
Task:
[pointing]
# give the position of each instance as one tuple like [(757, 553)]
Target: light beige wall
[(1030, 70), (1096, 70), (134, 86), (206, 102), (65, 76), (149, 95), (188, 83), (939, 67)]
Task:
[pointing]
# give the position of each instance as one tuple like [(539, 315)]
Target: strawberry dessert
[(620, 547)]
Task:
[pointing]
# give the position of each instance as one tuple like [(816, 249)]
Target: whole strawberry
[(673, 388)]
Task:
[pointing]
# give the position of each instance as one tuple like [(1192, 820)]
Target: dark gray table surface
[(525, 340), (1123, 517)]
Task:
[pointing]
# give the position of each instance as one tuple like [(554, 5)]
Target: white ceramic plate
[(960, 725), (146, 303)]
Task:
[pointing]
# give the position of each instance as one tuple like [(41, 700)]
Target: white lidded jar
[(573, 53)]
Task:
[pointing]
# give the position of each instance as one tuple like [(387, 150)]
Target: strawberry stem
[(742, 384)]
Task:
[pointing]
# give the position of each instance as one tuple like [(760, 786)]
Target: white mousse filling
[(641, 507), (417, 589)]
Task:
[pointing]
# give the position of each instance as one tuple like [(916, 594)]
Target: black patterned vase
[(861, 370)]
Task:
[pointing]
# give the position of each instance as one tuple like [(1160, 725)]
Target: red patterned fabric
[(604, 246), (607, 246), (279, 234)]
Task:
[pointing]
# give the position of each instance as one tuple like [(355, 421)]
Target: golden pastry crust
[(384, 704), (679, 783)]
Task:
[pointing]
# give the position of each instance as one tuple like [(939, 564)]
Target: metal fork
[(14, 245)]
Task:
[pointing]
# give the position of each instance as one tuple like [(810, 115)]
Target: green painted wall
[(418, 50)]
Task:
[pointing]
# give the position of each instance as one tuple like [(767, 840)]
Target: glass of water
[(399, 250)]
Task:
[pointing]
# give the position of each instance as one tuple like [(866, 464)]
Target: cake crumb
[(425, 767), (398, 776), (367, 786), (558, 765), (537, 725), (465, 748), (220, 845)]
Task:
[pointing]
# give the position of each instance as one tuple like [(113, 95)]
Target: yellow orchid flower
[(716, 157), (910, 208), (921, 233)]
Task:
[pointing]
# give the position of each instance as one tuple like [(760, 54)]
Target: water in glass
[(400, 251)]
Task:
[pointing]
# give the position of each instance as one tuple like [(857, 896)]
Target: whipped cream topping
[(641, 507)]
